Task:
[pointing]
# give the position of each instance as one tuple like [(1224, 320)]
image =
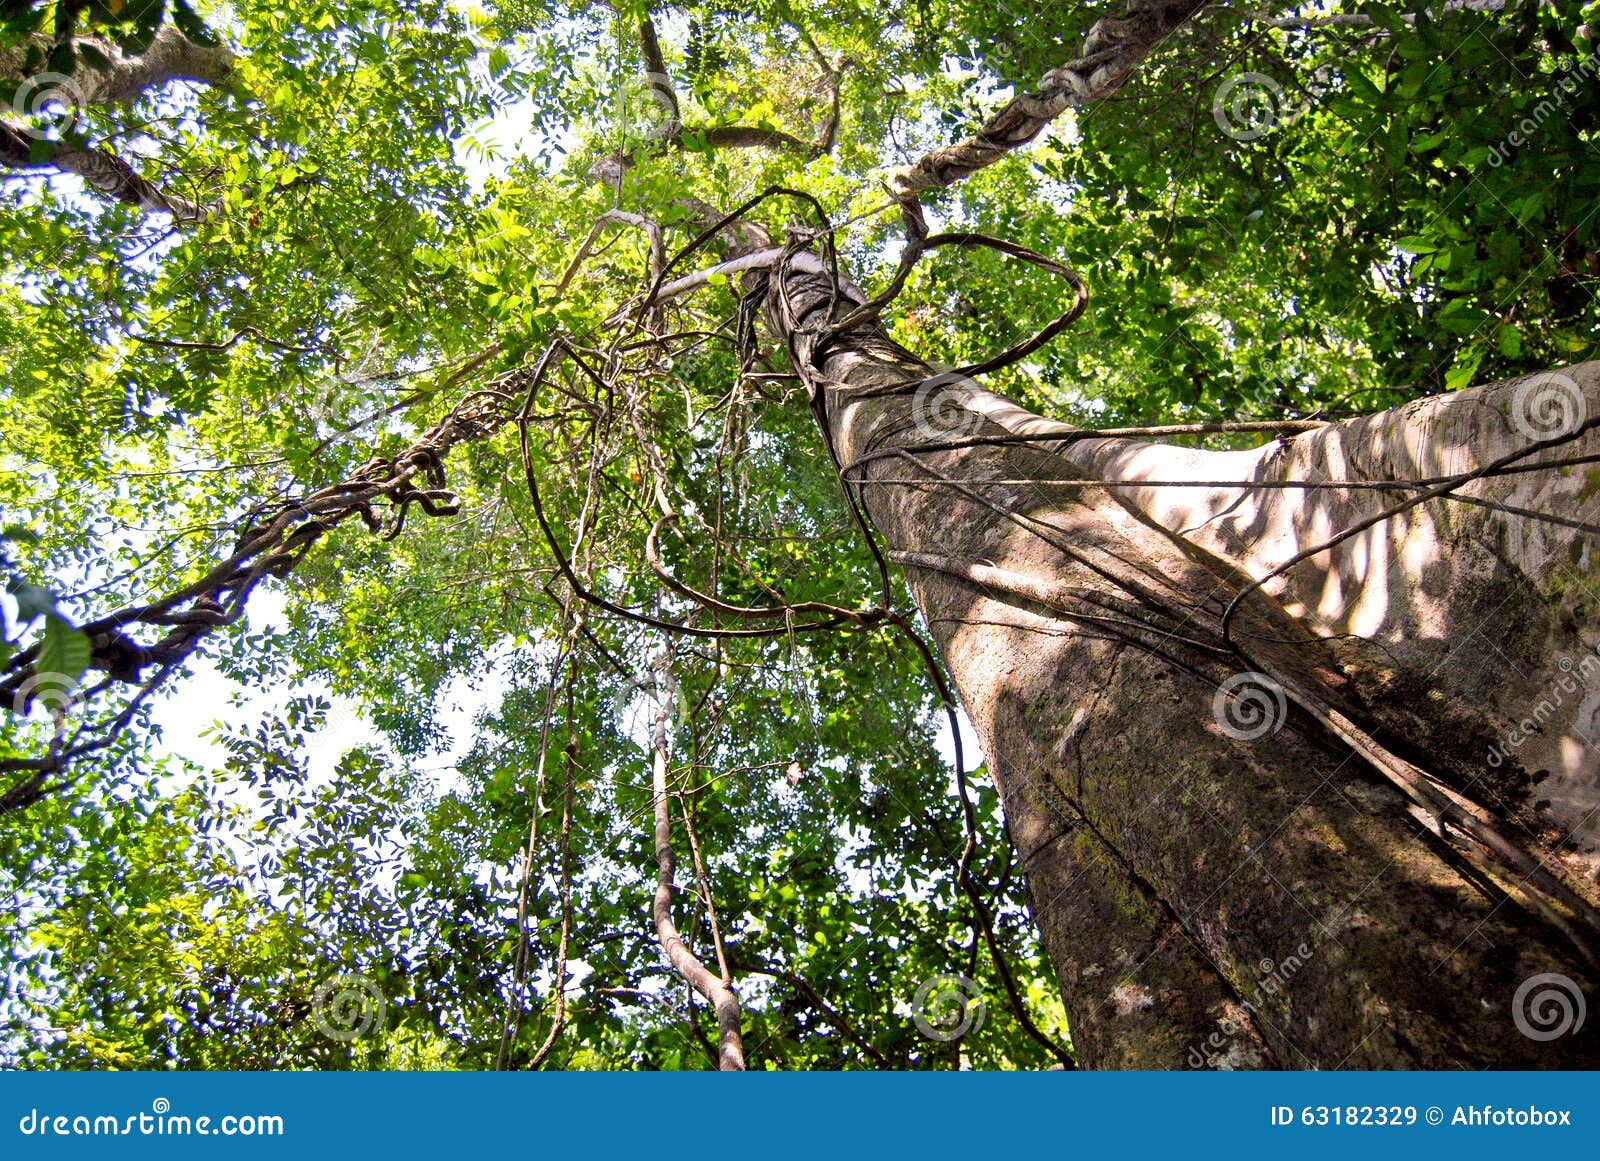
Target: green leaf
[(64, 651), (63, 58), (93, 57), (32, 600), (1466, 365), (1509, 341)]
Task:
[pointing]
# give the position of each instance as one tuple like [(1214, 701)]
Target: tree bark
[(718, 992), (170, 56), (1266, 820), (101, 170)]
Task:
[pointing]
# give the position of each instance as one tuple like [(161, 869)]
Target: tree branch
[(1111, 50), (813, 998), (172, 56), (674, 133), (718, 994), (1360, 20), (101, 170)]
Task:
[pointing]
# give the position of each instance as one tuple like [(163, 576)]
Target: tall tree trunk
[(1297, 823)]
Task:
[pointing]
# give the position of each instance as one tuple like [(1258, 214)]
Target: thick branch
[(753, 137), (172, 56), (1110, 51), (674, 134), (101, 170), (1361, 20), (273, 540)]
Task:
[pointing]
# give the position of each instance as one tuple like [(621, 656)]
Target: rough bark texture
[(170, 56), (1225, 891), (1112, 48), (101, 170), (717, 992)]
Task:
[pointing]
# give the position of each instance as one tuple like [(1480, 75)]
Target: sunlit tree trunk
[(1340, 826)]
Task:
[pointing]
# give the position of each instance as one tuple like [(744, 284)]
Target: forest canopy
[(393, 363)]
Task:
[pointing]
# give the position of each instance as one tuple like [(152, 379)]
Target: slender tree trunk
[(717, 992), (1297, 823)]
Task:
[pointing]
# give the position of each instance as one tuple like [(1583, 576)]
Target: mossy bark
[(1213, 889)]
